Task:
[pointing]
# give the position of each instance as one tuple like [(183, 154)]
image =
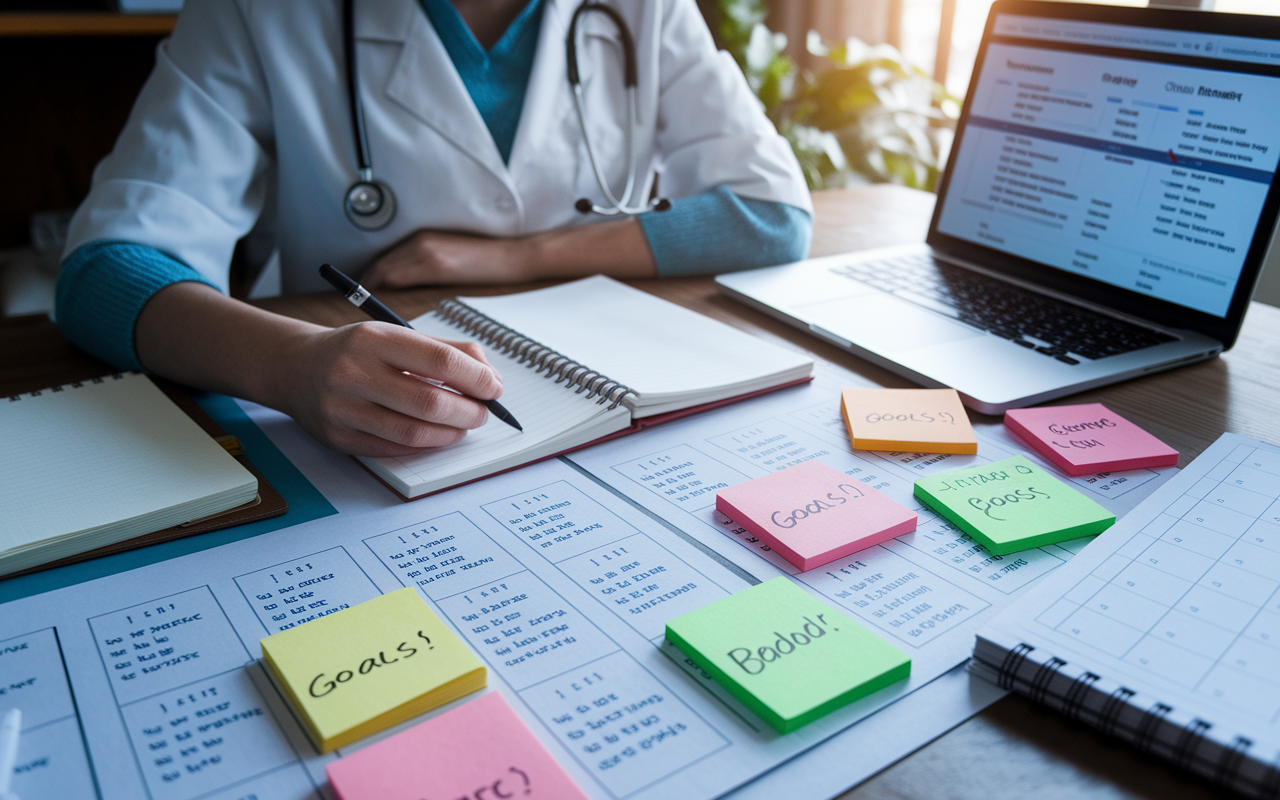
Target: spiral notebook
[(583, 361), (1165, 631), (89, 464)]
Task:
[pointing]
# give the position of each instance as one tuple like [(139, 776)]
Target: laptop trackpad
[(884, 324)]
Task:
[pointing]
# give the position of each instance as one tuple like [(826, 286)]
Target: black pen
[(361, 299)]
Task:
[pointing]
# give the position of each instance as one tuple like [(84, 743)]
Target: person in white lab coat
[(244, 132)]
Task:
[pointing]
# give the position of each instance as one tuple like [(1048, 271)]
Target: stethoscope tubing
[(382, 206)]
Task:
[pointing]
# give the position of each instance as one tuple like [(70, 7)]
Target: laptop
[(1109, 201)]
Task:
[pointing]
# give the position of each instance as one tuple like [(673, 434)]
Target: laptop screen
[(1138, 157)]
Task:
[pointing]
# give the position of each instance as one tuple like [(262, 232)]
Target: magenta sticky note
[(812, 514), (1088, 438), (481, 749)]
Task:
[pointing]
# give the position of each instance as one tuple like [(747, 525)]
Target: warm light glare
[(1268, 7), (920, 32)]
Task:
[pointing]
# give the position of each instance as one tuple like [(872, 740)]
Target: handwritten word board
[(786, 655), (1012, 505), (913, 420), (370, 666), (478, 750), (1088, 438), (812, 514)]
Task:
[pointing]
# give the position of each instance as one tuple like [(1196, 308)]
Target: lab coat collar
[(383, 21), (425, 82)]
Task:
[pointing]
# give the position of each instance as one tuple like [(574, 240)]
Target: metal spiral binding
[(1073, 705), (1044, 676), (1008, 672), (1193, 751), (1144, 739), (13, 398), (541, 358), (1192, 736), (1111, 711), (1229, 762)]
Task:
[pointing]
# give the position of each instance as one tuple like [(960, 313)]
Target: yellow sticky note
[(370, 666), (913, 420)]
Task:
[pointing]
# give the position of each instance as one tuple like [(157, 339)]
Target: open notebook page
[(553, 416), (114, 454), (661, 350)]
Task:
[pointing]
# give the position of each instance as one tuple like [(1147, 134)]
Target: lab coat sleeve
[(711, 130), (717, 231), (102, 289), (188, 173)]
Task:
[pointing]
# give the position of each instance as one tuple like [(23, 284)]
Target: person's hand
[(435, 258), (348, 388)]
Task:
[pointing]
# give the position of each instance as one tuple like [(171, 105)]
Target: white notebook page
[(81, 458), (655, 347), (545, 409)]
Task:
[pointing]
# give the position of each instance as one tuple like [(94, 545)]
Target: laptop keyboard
[(1053, 327)]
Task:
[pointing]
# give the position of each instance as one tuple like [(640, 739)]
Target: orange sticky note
[(481, 749), (913, 420), (811, 514)]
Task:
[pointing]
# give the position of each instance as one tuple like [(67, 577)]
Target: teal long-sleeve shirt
[(104, 285)]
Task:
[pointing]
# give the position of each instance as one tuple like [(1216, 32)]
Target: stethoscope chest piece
[(370, 205)]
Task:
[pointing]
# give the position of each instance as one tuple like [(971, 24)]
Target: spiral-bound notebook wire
[(583, 361), (1165, 631)]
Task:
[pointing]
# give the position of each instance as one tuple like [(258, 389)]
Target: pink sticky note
[(1088, 438), (481, 749), (812, 514)]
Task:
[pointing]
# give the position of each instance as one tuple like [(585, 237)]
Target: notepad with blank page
[(581, 361), (672, 357), (94, 463)]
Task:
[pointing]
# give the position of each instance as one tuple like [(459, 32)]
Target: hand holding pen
[(366, 302)]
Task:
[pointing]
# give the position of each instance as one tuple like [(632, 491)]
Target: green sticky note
[(785, 655), (1012, 505)]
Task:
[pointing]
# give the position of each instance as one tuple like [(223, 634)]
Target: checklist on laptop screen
[(1137, 157)]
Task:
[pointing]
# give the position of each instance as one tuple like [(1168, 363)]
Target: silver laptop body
[(1116, 160)]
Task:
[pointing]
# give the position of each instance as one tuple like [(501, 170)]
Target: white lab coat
[(244, 129)]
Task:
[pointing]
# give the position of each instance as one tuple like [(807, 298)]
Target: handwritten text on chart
[(286, 595), (615, 715), (442, 556), (559, 521), (682, 475)]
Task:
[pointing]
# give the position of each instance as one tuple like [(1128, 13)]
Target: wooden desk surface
[(1013, 749)]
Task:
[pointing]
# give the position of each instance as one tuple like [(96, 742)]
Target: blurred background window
[(938, 36)]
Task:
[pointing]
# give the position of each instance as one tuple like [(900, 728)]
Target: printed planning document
[(560, 576)]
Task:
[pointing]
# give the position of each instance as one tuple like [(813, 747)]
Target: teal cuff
[(717, 231), (102, 289)]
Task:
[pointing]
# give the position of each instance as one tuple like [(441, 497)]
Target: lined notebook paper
[(581, 361), (91, 464)]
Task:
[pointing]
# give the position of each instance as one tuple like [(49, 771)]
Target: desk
[(1012, 749)]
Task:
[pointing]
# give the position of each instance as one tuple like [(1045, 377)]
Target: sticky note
[(786, 655), (1012, 505), (914, 420), (367, 667), (812, 514), (480, 749), (1088, 438)]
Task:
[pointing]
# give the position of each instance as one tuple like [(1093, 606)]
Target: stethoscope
[(371, 205)]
